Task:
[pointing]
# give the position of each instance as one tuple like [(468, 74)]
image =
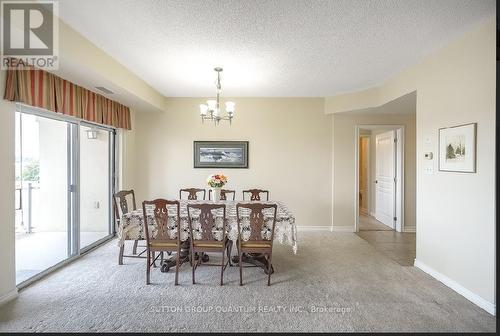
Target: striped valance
[(42, 89)]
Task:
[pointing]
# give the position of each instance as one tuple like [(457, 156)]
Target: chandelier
[(211, 110)]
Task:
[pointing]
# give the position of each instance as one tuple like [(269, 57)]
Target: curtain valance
[(40, 88)]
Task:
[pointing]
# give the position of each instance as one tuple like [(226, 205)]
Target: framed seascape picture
[(457, 148), (220, 154)]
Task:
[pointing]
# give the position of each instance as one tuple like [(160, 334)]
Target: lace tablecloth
[(132, 223)]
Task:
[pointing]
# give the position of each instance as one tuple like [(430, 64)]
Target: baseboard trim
[(474, 298), (326, 228), (411, 229), (342, 228), (9, 296), (314, 228)]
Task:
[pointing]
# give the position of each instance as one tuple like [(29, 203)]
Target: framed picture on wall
[(220, 154), (457, 148)]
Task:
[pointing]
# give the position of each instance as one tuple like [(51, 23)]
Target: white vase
[(216, 194)]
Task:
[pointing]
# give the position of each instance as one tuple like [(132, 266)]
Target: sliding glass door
[(96, 147), (41, 194), (64, 183)]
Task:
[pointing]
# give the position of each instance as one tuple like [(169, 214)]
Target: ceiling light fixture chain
[(211, 110)]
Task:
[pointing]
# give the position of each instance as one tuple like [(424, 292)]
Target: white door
[(385, 171)]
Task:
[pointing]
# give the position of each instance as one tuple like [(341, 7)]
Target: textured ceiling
[(271, 48)]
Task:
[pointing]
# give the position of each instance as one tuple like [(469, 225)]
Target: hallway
[(398, 246)]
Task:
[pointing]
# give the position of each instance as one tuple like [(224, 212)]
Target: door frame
[(368, 173), (399, 162)]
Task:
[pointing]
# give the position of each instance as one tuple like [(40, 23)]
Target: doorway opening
[(380, 177)]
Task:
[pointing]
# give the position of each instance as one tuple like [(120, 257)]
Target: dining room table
[(285, 230)]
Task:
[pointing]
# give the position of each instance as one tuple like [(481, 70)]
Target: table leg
[(204, 257), (183, 257), (257, 259)]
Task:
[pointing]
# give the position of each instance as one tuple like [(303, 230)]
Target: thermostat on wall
[(428, 155)]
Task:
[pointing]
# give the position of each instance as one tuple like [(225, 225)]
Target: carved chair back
[(121, 205), (223, 194), (192, 193), (255, 194), (257, 220), (161, 208), (207, 219)]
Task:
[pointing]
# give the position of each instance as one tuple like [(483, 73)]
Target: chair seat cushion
[(163, 244), (255, 245), (208, 244)]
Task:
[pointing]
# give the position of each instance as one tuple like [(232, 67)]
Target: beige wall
[(455, 211), (456, 226), (126, 155), (344, 169), (289, 152), (7, 247)]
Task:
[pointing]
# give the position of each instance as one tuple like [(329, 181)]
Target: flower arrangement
[(217, 180)]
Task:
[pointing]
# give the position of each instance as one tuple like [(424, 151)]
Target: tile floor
[(398, 246)]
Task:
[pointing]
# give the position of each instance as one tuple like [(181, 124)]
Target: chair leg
[(269, 265), (148, 268), (134, 248), (193, 265), (229, 248), (120, 255), (177, 267), (241, 266), (222, 269)]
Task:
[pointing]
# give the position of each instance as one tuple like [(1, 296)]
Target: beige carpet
[(337, 282)]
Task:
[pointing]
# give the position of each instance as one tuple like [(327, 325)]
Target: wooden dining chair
[(256, 242), (223, 194), (160, 240), (207, 237), (255, 194), (121, 206), (192, 193)]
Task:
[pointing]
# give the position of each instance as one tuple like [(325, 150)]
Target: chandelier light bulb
[(203, 109), (212, 104), (230, 107)]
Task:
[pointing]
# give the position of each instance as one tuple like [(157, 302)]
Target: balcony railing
[(24, 206)]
